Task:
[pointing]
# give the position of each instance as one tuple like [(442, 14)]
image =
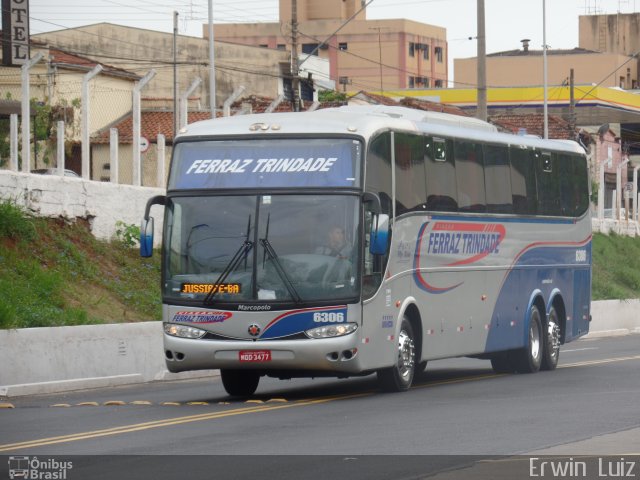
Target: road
[(458, 412)]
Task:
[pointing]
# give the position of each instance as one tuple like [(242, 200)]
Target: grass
[(616, 267), (56, 273)]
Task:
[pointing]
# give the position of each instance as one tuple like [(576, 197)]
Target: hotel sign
[(15, 32)]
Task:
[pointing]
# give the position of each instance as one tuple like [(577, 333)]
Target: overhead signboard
[(15, 32)]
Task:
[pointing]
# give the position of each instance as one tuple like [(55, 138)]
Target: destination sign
[(228, 288), (265, 164)]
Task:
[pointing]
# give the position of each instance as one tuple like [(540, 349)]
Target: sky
[(507, 21)]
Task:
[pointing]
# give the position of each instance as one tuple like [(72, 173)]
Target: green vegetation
[(616, 267), (57, 273)]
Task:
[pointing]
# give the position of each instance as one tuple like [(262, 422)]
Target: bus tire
[(529, 358), (551, 344), (240, 383), (400, 377)]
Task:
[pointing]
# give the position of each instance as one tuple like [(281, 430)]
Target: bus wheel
[(240, 383), (551, 344), (529, 358), (399, 377)]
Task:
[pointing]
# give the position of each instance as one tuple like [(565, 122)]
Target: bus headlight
[(331, 331), (183, 331)]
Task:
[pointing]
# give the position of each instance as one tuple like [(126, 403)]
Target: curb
[(123, 354), (68, 385)]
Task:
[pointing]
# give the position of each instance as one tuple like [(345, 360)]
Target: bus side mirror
[(379, 237), (373, 201), (146, 226), (146, 237)]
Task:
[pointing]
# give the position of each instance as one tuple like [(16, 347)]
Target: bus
[(369, 239)]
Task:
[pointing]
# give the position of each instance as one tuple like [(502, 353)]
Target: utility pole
[(572, 102), (175, 74), (380, 55), (295, 81), (544, 68), (481, 112), (212, 65)]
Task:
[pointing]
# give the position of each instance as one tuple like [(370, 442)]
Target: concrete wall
[(103, 204), (255, 68), (55, 359)]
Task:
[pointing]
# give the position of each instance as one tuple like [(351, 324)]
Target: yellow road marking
[(7, 405), (166, 423), (197, 403), (242, 411), (141, 402), (114, 403)]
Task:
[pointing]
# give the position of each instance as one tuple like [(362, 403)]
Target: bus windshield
[(284, 248)]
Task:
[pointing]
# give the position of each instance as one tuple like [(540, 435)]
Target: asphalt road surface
[(458, 415)]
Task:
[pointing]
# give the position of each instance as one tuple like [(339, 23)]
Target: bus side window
[(378, 170), (410, 174), (441, 175), (470, 176), (378, 181), (523, 182), (574, 185), (497, 179), (548, 182)]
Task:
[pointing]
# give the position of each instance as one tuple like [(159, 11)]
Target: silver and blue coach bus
[(455, 240)]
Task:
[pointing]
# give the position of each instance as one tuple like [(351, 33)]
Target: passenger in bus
[(336, 245)]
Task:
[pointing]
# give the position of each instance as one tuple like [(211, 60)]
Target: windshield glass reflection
[(265, 248)]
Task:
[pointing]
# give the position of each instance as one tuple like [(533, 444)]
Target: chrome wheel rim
[(534, 336), (406, 355), (553, 334)]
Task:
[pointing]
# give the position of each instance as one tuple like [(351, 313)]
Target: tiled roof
[(534, 125), (375, 99), (260, 104), (71, 60), (419, 104), (155, 122), (409, 102), (151, 124)]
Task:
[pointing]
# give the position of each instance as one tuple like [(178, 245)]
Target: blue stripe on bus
[(555, 269)]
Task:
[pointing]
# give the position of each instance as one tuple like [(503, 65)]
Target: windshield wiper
[(281, 271), (268, 248), (241, 254)]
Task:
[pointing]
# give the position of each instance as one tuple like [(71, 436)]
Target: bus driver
[(336, 244)]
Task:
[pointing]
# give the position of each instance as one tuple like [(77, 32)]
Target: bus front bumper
[(338, 355)]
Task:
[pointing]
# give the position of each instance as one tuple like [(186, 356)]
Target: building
[(56, 92), (523, 68), (372, 55), (618, 33), (142, 50)]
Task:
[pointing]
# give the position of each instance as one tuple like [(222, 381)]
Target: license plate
[(255, 355)]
